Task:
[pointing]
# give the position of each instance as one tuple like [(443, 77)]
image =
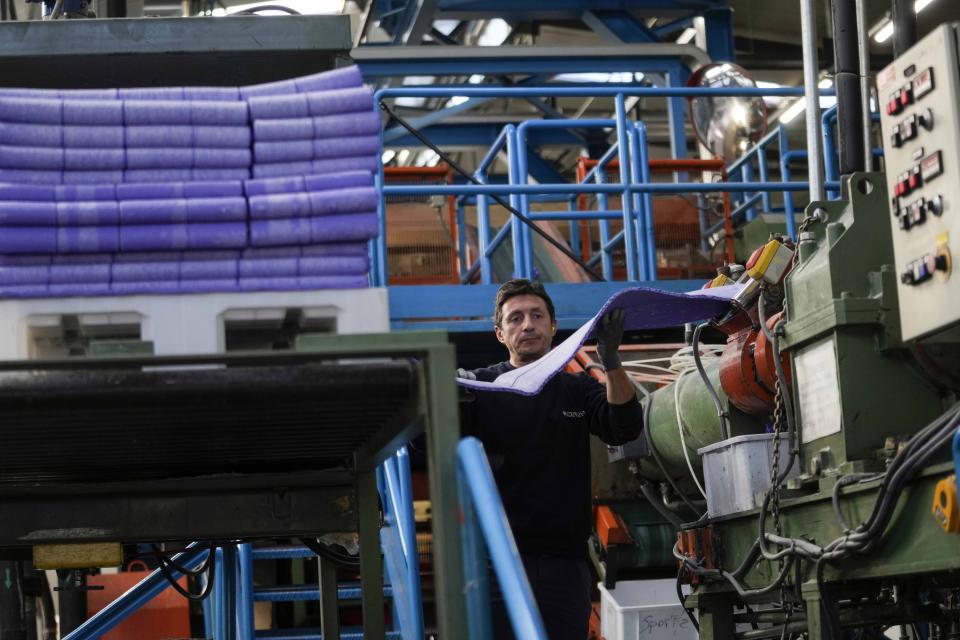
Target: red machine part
[(611, 529), (748, 372), (697, 545)]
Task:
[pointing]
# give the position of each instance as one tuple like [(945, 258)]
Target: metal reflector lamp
[(727, 126)]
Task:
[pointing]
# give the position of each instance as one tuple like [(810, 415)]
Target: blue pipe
[(643, 161), (785, 176), (602, 162), (635, 270), (746, 173), (482, 491), (494, 150), (527, 189), (282, 553), (606, 262), (762, 144), (475, 574), (138, 595), (516, 233), (245, 620), (311, 593), (764, 176), (475, 91)]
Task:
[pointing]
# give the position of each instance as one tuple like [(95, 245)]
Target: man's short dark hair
[(520, 287)]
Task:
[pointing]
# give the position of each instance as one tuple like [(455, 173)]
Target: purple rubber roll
[(275, 233), (27, 214), (31, 157), (211, 254), (86, 289), (333, 282), (280, 106), (36, 192), (346, 125), (278, 283), (341, 180), (213, 189), (144, 288), (211, 93), (279, 205), (79, 273), (277, 88), (280, 130), (33, 176), (353, 226), (353, 163), (217, 209), (153, 135), (157, 112), (153, 237), (32, 110), (333, 265), (220, 175), (92, 177), (24, 291), (278, 169), (267, 267), (37, 135), (208, 269), (157, 175), (150, 191), (87, 239), (24, 260), (325, 103), (339, 147), (87, 112), (89, 94), (144, 271), (208, 286), (151, 93), (88, 213), (334, 79), (39, 274), (221, 158), (270, 252), (148, 256), (24, 92), (149, 212), (222, 137), (93, 159), (337, 249), (81, 192), (217, 235), (220, 114), (159, 158), (287, 151), (356, 200), (268, 186), (93, 136)]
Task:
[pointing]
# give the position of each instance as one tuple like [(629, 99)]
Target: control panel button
[(926, 119), (923, 83), (935, 205), (893, 104), (895, 137), (917, 212), (906, 95), (914, 180), (931, 166), (908, 129)]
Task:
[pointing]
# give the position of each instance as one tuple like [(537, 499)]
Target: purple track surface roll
[(31, 176), (208, 269), (274, 233), (201, 286), (220, 158), (87, 239), (326, 103), (265, 268), (24, 260), (217, 209), (337, 147), (32, 110), (213, 189), (347, 124), (164, 190), (284, 169), (31, 157), (145, 271), (336, 165), (280, 87), (94, 159), (333, 79), (279, 106), (27, 214), (81, 192), (159, 158), (91, 177), (337, 249), (157, 175), (88, 213), (332, 282), (151, 93), (145, 288), (87, 112), (333, 265), (36, 192), (270, 252), (37, 135), (171, 135), (24, 291), (93, 137), (222, 137), (217, 235), (219, 175), (343, 201), (287, 151), (211, 93), (80, 289), (341, 180), (269, 186), (353, 226), (280, 205), (39, 274), (79, 273), (151, 212), (273, 130)]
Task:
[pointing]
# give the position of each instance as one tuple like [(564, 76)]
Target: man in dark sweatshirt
[(539, 450)]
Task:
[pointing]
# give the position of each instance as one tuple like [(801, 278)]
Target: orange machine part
[(738, 375), (166, 616), (763, 357), (697, 544), (611, 529)]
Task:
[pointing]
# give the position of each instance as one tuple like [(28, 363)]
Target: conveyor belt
[(61, 426)]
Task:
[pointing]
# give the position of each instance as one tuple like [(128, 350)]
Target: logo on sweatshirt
[(574, 414)]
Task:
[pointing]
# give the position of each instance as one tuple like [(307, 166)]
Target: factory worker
[(539, 450)]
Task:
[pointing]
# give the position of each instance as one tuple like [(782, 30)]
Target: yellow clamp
[(945, 509), (720, 281), (771, 263)]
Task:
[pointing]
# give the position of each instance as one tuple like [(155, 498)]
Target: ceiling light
[(886, 29)]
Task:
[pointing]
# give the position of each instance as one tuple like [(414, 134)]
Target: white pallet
[(191, 323)]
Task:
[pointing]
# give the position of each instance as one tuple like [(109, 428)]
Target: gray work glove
[(609, 332), (466, 375)]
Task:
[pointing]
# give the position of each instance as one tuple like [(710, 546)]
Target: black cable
[(724, 425), (162, 557), (693, 619), (267, 7), (503, 203), (324, 551), (165, 564)]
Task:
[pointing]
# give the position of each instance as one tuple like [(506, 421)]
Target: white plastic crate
[(189, 324), (644, 610), (737, 470)]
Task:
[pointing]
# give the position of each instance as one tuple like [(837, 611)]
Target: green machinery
[(861, 534)]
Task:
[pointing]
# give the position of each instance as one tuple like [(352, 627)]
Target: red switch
[(906, 95), (913, 182)]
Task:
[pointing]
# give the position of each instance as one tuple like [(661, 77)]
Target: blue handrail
[(480, 490)]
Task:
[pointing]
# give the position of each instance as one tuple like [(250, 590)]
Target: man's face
[(525, 329)]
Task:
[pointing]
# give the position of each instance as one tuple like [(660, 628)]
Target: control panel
[(919, 96)]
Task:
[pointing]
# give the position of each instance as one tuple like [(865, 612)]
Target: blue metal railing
[(634, 187), (485, 525)]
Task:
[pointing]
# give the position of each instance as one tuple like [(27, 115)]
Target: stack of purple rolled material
[(140, 191)]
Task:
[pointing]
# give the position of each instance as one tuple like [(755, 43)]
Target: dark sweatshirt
[(539, 450)]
